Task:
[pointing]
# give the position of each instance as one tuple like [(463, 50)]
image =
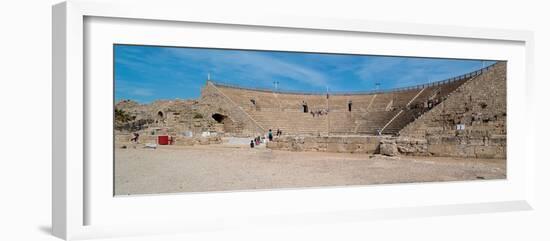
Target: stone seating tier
[(369, 114)]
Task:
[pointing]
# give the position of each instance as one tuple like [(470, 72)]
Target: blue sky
[(148, 73)]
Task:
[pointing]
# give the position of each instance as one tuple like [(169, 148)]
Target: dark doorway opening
[(219, 118)]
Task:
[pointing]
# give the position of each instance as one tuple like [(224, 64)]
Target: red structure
[(164, 140)]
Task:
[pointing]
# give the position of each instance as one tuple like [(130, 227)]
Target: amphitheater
[(460, 117)]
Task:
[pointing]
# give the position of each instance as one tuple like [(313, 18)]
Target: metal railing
[(361, 92)]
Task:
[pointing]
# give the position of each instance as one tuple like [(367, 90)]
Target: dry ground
[(170, 169)]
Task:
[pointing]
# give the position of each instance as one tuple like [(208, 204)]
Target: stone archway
[(225, 121)]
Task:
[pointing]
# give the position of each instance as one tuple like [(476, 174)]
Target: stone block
[(388, 148), (486, 151)]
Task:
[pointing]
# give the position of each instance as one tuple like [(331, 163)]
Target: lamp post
[(328, 114)]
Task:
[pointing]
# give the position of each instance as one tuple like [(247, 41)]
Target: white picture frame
[(72, 187)]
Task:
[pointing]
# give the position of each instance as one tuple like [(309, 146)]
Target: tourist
[(135, 139), (304, 106), (270, 135), (251, 144), (278, 132)]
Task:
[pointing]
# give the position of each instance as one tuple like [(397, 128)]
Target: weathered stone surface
[(478, 103), (365, 144), (486, 151), (214, 101), (388, 148)]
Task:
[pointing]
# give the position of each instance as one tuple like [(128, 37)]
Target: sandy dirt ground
[(173, 169)]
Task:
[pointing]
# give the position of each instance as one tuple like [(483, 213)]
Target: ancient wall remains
[(367, 113), (389, 145), (471, 122), (213, 101), (180, 119), (464, 117), (345, 144)]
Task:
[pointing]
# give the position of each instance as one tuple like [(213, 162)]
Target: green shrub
[(198, 116)]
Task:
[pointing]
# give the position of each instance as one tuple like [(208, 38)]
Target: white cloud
[(254, 65)]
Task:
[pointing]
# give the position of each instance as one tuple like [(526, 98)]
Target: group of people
[(256, 141), (259, 140), (318, 113)]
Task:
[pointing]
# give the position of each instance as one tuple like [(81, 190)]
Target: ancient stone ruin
[(180, 119), (464, 116)]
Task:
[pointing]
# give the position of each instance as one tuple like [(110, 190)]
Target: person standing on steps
[(270, 135), (304, 106)]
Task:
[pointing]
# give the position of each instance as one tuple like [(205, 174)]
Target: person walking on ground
[(251, 144), (135, 139)]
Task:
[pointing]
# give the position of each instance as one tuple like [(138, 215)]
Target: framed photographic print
[(178, 121)]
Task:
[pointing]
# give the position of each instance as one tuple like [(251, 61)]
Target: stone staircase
[(390, 111), (407, 115), (292, 122), (445, 92), (372, 122), (239, 111)]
